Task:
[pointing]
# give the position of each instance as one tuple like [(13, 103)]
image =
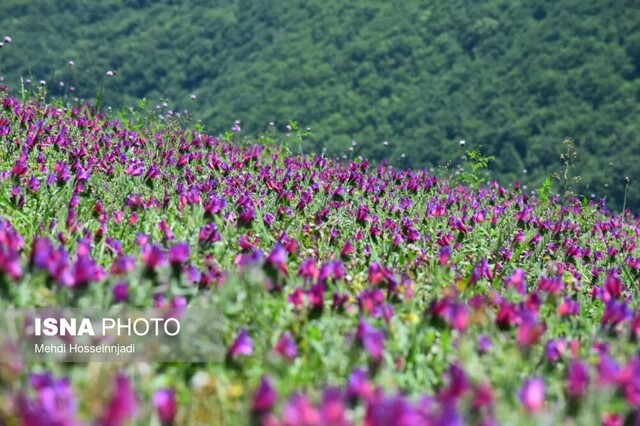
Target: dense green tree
[(516, 77)]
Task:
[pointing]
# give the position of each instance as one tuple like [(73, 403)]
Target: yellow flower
[(235, 390), (412, 318)]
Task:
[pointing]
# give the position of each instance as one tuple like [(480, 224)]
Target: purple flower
[(613, 284), (615, 313), (286, 347), (209, 234), (242, 346), (247, 215), (613, 419), (277, 259), (120, 292), (555, 349), (347, 249), (507, 315), (193, 274), (308, 269), (339, 301), (265, 397), (123, 405), (296, 298), (371, 339), (458, 316), (362, 215), (214, 205), (577, 378), (518, 281), (34, 184), (10, 264), (392, 410), (10, 238), (484, 344), (316, 297), (122, 265), (530, 330), (179, 254), (359, 385), (569, 307), (635, 325), (165, 402), (386, 311), (532, 394), (21, 168), (370, 299), (457, 384), (167, 232), (179, 302), (298, 411), (85, 270), (553, 285), (268, 219), (54, 405), (629, 380), (482, 270), (154, 256), (483, 396), (379, 274), (153, 172), (333, 410), (445, 254), (608, 370), (142, 240)]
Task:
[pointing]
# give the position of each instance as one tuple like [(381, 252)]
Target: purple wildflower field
[(350, 293)]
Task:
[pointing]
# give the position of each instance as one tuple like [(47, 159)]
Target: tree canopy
[(515, 77)]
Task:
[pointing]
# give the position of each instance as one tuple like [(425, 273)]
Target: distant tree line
[(517, 77)]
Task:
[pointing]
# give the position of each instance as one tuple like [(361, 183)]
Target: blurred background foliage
[(513, 76)]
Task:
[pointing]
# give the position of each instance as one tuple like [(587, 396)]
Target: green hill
[(517, 77)]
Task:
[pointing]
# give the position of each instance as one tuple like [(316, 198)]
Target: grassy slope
[(419, 347)]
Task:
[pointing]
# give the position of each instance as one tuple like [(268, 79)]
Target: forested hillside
[(517, 77)]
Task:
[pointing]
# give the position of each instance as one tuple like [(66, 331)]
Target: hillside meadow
[(347, 292)]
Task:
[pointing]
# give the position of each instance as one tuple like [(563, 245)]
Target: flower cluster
[(352, 293)]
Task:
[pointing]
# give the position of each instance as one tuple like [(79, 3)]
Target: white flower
[(200, 380)]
